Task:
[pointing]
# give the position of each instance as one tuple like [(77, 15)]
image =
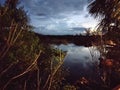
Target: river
[(80, 61)]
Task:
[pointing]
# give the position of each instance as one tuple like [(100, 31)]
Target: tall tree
[(21, 67), (109, 13), (19, 47), (17, 23)]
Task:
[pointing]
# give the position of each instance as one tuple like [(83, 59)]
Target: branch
[(4, 71), (26, 71)]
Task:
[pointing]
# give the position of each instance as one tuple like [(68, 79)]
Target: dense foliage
[(25, 62), (108, 12)]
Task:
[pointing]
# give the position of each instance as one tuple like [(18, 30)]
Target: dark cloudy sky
[(59, 16)]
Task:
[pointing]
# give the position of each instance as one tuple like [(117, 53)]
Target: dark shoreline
[(81, 40)]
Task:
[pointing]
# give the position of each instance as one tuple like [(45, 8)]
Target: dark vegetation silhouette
[(25, 62), (29, 62), (82, 40), (108, 11)]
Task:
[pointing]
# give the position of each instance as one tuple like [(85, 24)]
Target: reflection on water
[(80, 60)]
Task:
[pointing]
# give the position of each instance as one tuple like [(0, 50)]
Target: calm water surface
[(81, 61)]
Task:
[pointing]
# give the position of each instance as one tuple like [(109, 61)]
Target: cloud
[(59, 16), (78, 28), (54, 6), (2, 2), (75, 54)]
